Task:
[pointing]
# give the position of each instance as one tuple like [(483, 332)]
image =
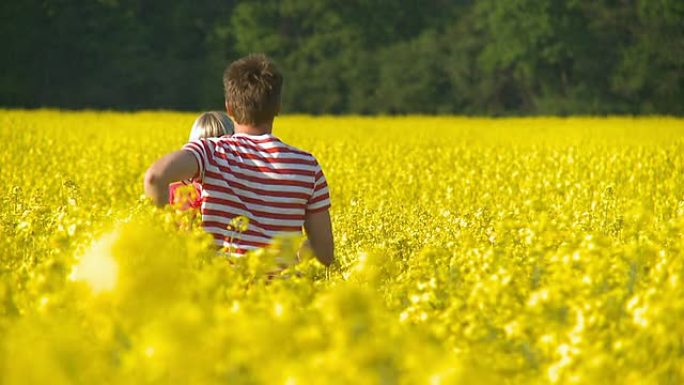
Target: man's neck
[(262, 129)]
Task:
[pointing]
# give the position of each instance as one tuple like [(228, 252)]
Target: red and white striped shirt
[(271, 183)]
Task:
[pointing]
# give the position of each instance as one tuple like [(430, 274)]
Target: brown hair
[(212, 124), (253, 85)]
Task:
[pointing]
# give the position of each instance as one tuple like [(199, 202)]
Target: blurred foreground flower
[(97, 266)]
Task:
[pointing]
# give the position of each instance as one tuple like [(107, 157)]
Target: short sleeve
[(320, 197), (200, 149)]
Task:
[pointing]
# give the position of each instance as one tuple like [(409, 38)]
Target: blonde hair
[(212, 124)]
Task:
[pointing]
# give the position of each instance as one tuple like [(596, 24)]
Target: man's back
[(259, 177), (278, 188)]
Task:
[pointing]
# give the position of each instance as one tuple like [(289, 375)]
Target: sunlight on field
[(471, 251)]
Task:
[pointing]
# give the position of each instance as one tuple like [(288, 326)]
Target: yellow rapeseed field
[(470, 251)]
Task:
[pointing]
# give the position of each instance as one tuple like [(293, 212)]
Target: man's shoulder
[(305, 155), (270, 144), (295, 150)]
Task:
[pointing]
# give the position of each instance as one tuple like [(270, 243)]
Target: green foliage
[(515, 57)]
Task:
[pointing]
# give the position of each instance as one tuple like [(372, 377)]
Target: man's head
[(252, 85)]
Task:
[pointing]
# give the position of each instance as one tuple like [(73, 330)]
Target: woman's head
[(212, 124)]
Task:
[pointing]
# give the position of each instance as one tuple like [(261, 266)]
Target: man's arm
[(319, 231), (176, 166)]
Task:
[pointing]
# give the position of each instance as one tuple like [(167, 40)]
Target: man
[(279, 188)]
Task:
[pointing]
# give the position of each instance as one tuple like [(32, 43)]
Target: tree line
[(476, 57)]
